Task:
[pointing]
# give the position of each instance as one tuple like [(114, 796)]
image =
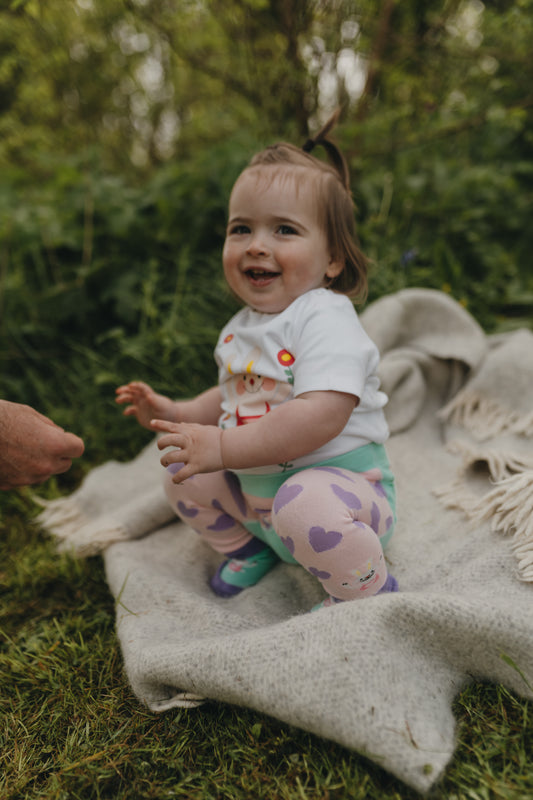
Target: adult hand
[(32, 447), (198, 447)]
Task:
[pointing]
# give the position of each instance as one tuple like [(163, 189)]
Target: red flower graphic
[(285, 358)]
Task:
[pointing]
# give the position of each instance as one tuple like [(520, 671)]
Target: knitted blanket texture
[(379, 675)]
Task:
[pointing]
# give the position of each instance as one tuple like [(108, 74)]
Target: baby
[(285, 458)]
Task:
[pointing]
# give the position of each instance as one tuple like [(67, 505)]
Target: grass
[(71, 729)]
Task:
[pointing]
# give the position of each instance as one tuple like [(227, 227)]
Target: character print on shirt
[(251, 395)]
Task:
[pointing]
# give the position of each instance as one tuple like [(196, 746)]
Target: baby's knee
[(328, 521)]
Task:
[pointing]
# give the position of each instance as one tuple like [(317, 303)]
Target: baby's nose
[(258, 245)]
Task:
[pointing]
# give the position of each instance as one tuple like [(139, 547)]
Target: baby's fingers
[(182, 473), (170, 428), (125, 394), (174, 456), (134, 389), (141, 389)]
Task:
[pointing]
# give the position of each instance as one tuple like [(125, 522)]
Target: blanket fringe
[(60, 517), (509, 506), (523, 426), (455, 496), (91, 539), (500, 464), (181, 700), (64, 519), (509, 509), (484, 418)]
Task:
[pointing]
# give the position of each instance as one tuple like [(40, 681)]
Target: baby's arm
[(290, 431), (287, 432), (145, 404)]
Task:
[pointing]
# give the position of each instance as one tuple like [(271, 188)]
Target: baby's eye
[(287, 230), (239, 229)]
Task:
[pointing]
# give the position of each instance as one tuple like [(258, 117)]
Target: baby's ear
[(334, 268)]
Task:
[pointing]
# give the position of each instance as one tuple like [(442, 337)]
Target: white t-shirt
[(316, 344)]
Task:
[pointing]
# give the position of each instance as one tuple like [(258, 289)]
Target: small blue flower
[(408, 256)]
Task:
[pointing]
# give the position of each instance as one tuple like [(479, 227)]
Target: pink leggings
[(330, 520)]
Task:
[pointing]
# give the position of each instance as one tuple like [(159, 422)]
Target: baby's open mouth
[(260, 274)]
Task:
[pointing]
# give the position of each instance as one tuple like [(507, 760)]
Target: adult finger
[(61, 465), (72, 446)]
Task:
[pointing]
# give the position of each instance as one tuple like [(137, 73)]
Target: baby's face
[(275, 248)]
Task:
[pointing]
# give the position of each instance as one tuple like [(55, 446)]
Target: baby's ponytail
[(334, 154)]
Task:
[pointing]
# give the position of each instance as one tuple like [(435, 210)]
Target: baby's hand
[(199, 447), (144, 403)]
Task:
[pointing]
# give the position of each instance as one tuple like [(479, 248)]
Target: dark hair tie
[(334, 155)]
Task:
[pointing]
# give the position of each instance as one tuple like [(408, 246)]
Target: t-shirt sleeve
[(332, 351)]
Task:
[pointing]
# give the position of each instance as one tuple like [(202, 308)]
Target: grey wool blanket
[(378, 676)]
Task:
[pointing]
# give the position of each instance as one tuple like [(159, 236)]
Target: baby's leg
[(215, 507), (332, 520)]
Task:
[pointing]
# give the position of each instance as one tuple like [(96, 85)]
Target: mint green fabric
[(253, 568)]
